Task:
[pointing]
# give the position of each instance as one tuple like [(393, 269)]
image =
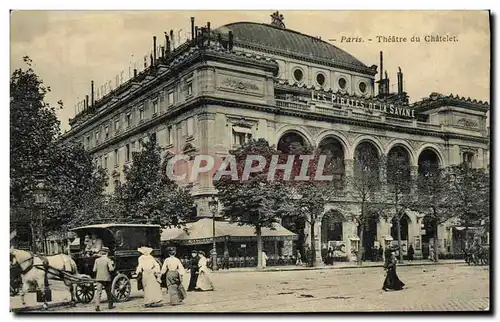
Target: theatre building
[(253, 80)]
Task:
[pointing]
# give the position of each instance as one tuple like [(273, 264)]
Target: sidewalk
[(337, 265)]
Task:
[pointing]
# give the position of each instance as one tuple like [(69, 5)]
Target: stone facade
[(208, 97)]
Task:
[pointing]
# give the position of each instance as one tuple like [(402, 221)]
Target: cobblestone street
[(451, 287)]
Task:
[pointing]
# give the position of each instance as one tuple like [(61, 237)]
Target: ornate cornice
[(437, 100)]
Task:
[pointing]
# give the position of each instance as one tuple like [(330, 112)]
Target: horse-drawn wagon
[(122, 240)]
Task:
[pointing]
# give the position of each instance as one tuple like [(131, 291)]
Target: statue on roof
[(277, 20)]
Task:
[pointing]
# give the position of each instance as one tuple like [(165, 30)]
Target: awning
[(201, 232), (240, 129)]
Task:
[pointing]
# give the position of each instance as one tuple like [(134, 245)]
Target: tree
[(310, 195), (37, 151), (470, 195), (251, 199), (77, 188), (147, 195), (33, 129), (363, 187), (399, 189), (435, 198)]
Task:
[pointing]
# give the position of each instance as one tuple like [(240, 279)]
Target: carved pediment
[(237, 84), (467, 123)]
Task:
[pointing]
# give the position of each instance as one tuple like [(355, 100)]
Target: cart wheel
[(121, 288), (84, 292)]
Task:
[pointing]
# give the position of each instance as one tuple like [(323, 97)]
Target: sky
[(70, 48)]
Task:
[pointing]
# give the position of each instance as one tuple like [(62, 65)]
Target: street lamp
[(40, 193), (213, 205)]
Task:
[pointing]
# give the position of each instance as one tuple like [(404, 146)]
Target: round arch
[(295, 129), (434, 149), (366, 138), (401, 143), (295, 133), (337, 136)]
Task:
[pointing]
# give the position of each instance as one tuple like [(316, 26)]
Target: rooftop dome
[(274, 38)]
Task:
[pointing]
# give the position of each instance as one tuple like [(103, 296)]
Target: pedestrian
[(193, 270), (174, 271), (103, 266), (431, 252), (264, 259), (411, 252), (225, 259), (392, 281), (204, 282), (149, 271), (299, 259), (329, 256)]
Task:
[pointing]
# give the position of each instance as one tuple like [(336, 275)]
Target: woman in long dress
[(172, 266), (149, 268), (204, 282), (392, 281), (264, 259)]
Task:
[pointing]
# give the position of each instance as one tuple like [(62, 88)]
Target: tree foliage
[(470, 195), (435, 197), (37, 151), (147, 196), (400, 184), (33, 130), (254, 201), (364, 187), (309, 195)]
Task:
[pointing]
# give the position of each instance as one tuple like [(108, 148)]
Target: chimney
[(387, 86), (230, 40), (167, 44), (172, 39), (208, 34), (154, 50), (381, 64), (152, 62), (400, 81), (162, 51), (192, 30), (196, 35), (381, 87), (86, 102), (135, 72), (92, 93)]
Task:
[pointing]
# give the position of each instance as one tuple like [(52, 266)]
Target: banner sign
[(339, 248), (371, 105)]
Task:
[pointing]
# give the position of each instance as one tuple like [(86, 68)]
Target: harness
[(45, 263)]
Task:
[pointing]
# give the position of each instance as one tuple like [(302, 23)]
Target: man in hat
[(193, 268), (103, 266)]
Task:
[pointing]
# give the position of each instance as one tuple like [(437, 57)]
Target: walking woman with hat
[(148, 270), (203, 283), (172, 266), (392, 281)]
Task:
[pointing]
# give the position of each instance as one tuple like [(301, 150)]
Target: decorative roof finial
[(277, 20)]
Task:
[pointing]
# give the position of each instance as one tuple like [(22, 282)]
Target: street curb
[(39, 307), (284, 269)]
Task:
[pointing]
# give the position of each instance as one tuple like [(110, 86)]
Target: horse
[(32, 270)]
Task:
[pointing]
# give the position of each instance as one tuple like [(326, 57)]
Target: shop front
[(238, 242)]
